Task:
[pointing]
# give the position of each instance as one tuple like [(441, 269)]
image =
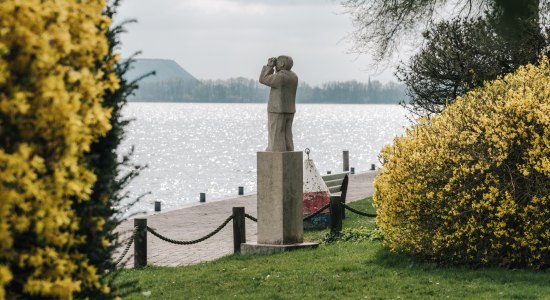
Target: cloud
[(225, 7), (286, 2), (230, 38)]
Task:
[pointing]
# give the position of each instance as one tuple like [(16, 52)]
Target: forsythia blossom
[(472, 185), (51, 89)]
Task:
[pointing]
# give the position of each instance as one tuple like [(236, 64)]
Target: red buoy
[(316, 195)]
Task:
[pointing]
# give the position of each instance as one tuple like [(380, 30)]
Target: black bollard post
[(345, 156), (335, 214), (157, 205), (140, 243), (241, 190), (352, 171), (239, 230), (202, 197), (344, 194), (372, 167)]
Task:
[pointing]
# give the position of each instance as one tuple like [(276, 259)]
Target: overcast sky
[(220, 39)]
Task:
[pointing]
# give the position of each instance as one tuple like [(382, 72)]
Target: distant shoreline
[(172, 83)]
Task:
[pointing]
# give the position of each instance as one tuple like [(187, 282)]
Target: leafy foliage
[(472, 185), (459, 55), (105, 201), (381, 25), (54, 73)]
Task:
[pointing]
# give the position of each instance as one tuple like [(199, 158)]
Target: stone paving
[(196, 221)]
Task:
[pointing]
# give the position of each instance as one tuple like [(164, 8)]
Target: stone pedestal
[(280, 191), (254, 248), (280, 203)]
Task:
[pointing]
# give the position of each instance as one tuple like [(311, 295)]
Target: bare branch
[(382, 25)]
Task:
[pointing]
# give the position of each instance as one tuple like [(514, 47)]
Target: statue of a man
[(282, 102)]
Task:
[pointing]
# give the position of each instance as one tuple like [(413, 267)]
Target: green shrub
[(472, 185), (113, 173)]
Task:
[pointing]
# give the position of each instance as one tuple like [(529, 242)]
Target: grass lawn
[(352, 270)]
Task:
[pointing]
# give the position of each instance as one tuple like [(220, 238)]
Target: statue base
[(254, 248), (280, 198)]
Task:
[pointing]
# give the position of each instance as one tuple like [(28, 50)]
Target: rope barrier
[(317, 212), (127, 246), (219, 228), (320, 210), (193, 241), (251, 217), (358, 212)]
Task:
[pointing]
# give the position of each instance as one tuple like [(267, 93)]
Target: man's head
[(284, 62)]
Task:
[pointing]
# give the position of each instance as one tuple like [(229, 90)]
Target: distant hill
[(173, 84), (166, 70)]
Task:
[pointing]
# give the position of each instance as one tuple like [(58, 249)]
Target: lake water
[(192, 148)]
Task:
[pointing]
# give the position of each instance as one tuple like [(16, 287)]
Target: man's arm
[(267, 75), (268, 78)]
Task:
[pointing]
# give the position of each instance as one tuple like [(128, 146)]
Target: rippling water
[(192, 148)]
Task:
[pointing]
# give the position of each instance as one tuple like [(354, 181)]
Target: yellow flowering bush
[(472, 185), (51, 89)]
